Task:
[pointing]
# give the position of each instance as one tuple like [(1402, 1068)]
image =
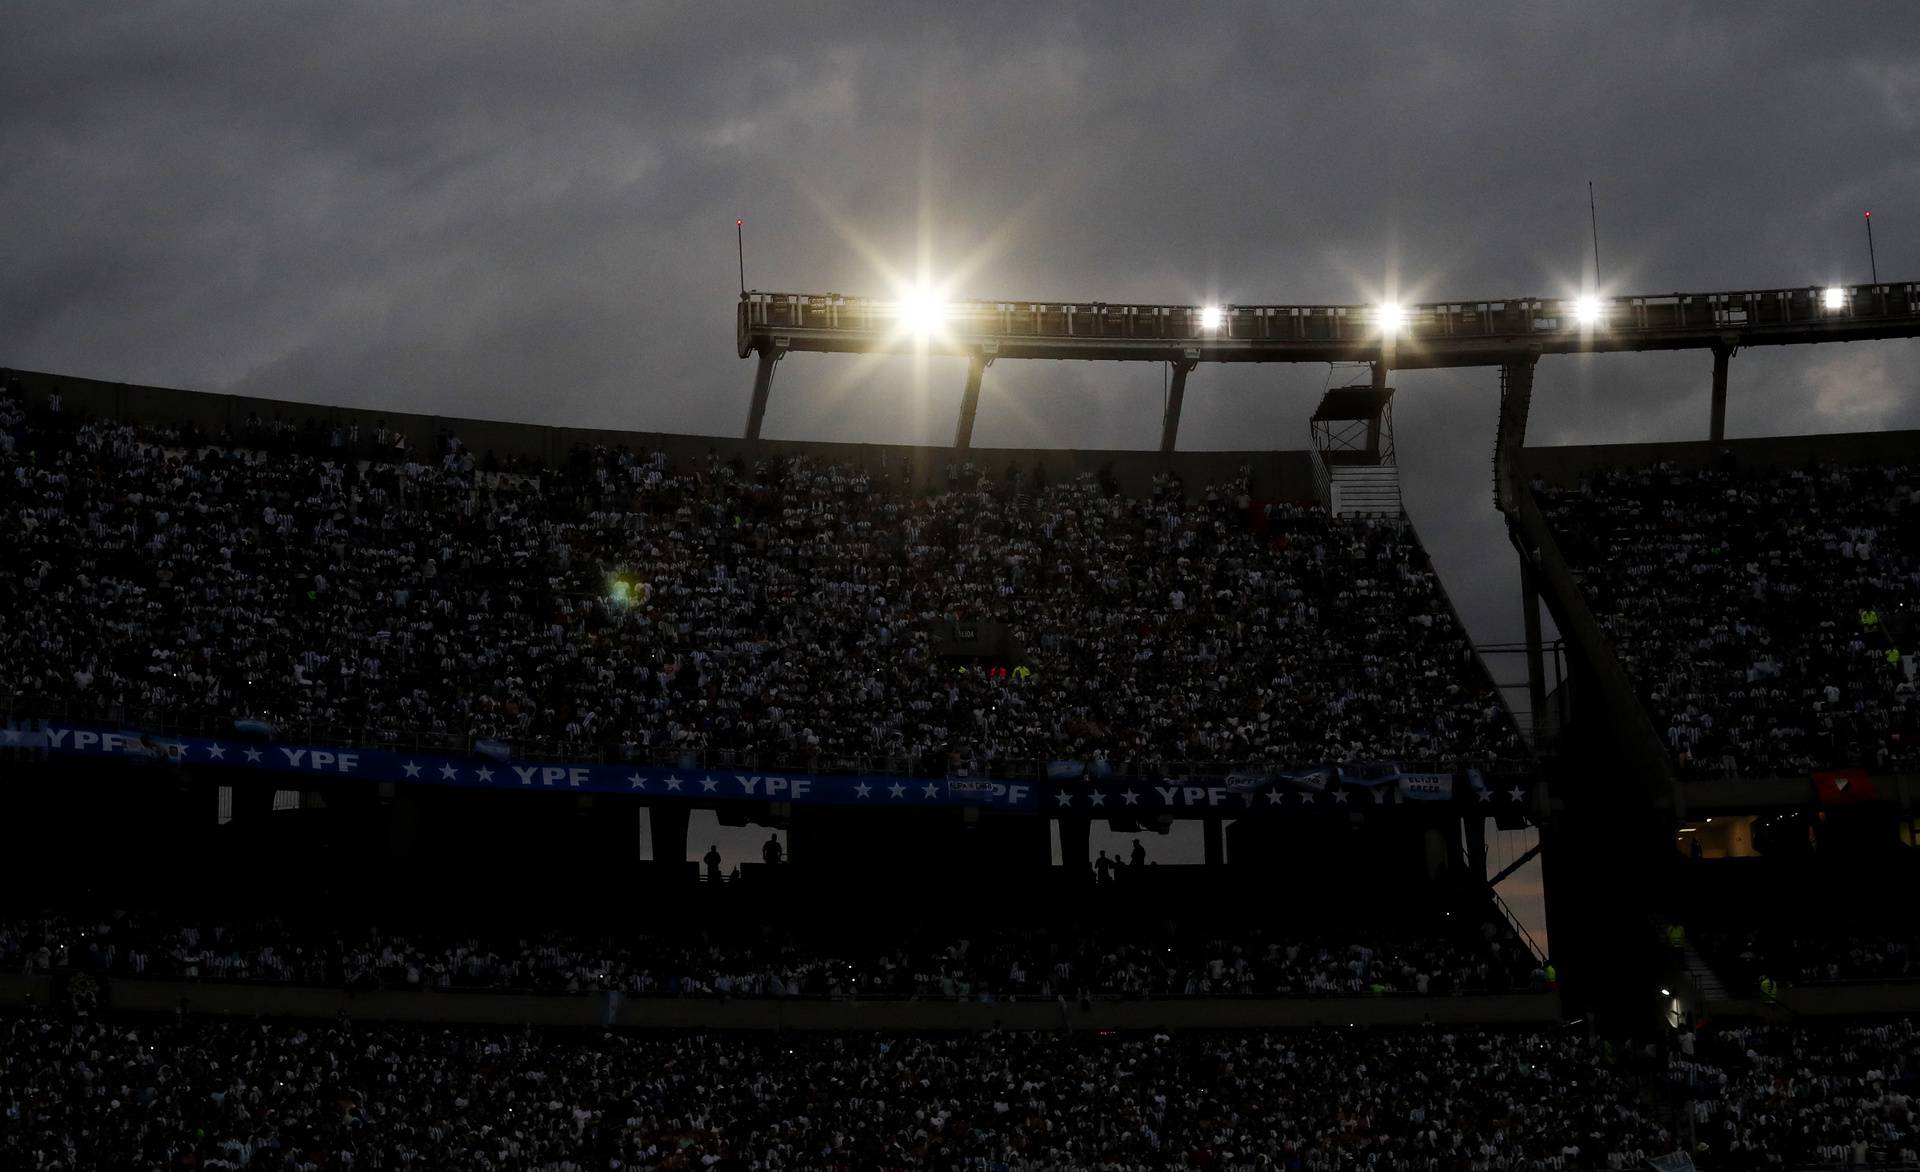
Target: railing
[(1500, 317), (1519, 929)]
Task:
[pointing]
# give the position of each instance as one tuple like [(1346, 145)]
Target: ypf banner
[(1329, 787)]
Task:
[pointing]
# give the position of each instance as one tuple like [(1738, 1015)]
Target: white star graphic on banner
[(1275, 797), (862, 790), (1063, 799), (930, 789), (483, 773), (1517, 794), (180, 749), (253, 756), (636, 782), (708, 784), (216, 752), (897, 790), (450, 773), (412, 769), (1097, 798), (1486, 795), (1306, 799), (1129, 797), (1340, 796), (673, 783)]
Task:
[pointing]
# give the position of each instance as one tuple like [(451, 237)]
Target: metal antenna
[(1593, 219)]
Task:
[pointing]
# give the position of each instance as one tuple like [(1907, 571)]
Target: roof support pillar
[(763, 385), (970, 400), (1530, 616), (1176, 395), (1722, 357), (1380, 369)]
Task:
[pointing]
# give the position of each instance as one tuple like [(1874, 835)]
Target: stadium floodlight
[(1835, 297), (1666, 993), (1588, 309), (1211, 317), (922, 314), (1391, 315)]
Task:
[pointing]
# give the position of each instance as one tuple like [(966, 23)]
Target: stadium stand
[(136, 1093), (734, 957), (1769, 1096), (152, 1092), (1803, 955), (347, 589), (936, 1006), (1761, 611)]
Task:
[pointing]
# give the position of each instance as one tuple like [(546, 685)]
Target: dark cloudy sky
[(523, 211)]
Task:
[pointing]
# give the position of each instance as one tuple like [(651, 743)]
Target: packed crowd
[(1800, 955), (1765, 1097), (765, 962), (1759, 612), (778, 611), (227, 1094)]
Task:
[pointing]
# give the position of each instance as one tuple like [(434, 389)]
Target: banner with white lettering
[(1238, 794), (1426, 787)]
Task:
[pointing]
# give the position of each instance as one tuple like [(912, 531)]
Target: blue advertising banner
[(1369, 784)]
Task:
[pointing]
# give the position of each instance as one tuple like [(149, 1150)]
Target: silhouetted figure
[(1139, 854), (1103, 868), (712, 860), (772, 852)]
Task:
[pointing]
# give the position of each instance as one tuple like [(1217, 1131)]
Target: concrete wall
[(1276, 475), (670, 1013)]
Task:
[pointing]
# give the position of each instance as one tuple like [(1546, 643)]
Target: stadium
[(368, 649), (400, 774)]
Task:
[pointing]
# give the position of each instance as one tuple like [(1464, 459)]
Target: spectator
[(223, 1093), (621, 604), (746, 961), (1763, 1096), (1747, 608)]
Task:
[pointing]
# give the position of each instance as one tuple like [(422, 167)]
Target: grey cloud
[(521, 212)]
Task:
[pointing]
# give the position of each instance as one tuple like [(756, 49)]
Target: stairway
[(1356, 489), (1705, 981)]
